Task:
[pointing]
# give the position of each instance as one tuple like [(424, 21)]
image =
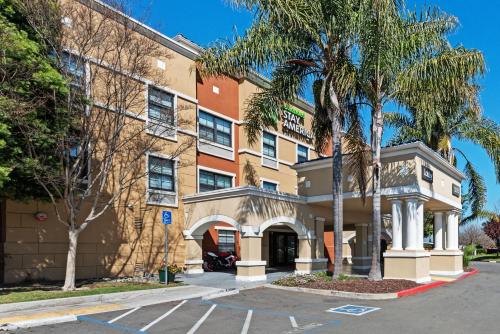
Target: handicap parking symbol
[(353, 309)]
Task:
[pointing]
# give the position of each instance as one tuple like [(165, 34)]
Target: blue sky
[(208, 20)]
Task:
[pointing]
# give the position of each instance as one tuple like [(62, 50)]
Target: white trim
[(361, 257), (165, 192), (446, 273), (215, 171), (263, 179), (208, 220), (291, 222), (305, 260), (425, 279), (251, 278), (225, 228), (407, 253), (208, 142), (276, 150), (446, 253), (254, 263), (193, 262), (150, 121), (217, 114)]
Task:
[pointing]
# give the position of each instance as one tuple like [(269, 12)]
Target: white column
[(411, 224), (397, 225), (451, 244), (438, 230), (455, 230), (420, 225)]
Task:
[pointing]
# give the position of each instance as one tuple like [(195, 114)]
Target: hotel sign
[(427, 174), (455, 190), (293, 120)]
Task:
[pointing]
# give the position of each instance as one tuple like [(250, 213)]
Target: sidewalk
[(38, 313)]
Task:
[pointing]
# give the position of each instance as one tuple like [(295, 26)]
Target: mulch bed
[(351, 284)]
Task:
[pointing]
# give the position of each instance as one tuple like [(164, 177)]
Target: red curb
[(419, 289), (423, 288)]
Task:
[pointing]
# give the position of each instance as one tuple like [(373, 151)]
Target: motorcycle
[(222, 261)]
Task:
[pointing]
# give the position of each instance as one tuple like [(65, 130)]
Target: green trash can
[(170, 277)]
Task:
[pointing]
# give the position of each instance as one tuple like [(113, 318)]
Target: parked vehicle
[(221, 261)]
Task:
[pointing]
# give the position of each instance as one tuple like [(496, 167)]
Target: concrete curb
[(334, 293), (102, 298), (38, 322), (221, 294)]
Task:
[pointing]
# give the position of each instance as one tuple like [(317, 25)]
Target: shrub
[(468, 253)]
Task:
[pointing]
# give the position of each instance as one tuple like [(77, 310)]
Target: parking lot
[(467, 306)]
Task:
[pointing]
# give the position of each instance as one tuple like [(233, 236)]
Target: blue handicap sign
[(353, 309), (166, 217)]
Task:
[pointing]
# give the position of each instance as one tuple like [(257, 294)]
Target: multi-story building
[(269, 202)]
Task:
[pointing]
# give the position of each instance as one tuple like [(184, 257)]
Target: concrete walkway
[(227, 280)]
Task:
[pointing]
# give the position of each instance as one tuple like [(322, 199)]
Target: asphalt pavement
[(467, 306)]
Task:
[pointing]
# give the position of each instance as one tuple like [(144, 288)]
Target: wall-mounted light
[(41, 216)]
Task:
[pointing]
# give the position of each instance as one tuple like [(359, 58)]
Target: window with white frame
[(161, 174), (226, 242), (74, 68), (161, 106), (269, 145), (302, 153), (214, 129), (212, 181), (267, 185)]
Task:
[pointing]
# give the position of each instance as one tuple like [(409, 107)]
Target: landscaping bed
[(50, 291), (345, 283)]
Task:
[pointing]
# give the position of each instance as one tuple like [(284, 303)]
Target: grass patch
[(32, 293), (486, 258)]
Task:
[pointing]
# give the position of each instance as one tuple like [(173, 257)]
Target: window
[(269, 186), (80, 164), (161, 106), (302, 153), (74, 67), (161, 174), (211, 181), (215, 129), (269, 145), (226, 241)]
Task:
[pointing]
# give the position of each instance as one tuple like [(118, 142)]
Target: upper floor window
[(302, 153), (74, 67), (161, 174), (269, 185), (161, 106), (212, 181), (214, 129), (269, 144)]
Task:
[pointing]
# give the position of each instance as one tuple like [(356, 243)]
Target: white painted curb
[(38, 322), (335, 293)]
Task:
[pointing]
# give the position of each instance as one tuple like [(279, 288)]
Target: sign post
[(166, 218)]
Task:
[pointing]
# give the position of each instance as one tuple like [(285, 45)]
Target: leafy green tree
[(30, 85), (404, 56), (302, 41)]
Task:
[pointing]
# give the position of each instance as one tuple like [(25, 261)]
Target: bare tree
[(474, 234), (102, 155)]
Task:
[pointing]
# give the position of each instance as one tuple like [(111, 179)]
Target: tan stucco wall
[(406, 267), (451, 263), (442, 182)]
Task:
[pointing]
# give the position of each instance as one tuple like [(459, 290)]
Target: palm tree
[(302, 41), (401, 56)]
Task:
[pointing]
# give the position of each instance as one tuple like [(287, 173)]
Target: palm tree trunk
[(376, 143), (69, 280), (337, 192)]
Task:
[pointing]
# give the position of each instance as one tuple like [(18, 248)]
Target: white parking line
[(294, 323), (157, 320), (123, 315), (246, 325), (198, 324)]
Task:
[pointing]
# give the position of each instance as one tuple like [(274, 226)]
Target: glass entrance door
[(283, 248)]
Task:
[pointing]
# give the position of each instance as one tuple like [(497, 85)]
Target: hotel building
[(269, 202)]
